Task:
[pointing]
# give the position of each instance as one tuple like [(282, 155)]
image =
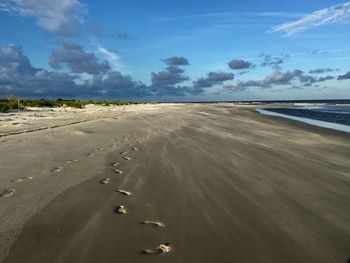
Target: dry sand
[(224, 183)]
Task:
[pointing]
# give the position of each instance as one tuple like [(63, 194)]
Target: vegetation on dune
[(12, 103)]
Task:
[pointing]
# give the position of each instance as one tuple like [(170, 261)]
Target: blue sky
[(175, 50)]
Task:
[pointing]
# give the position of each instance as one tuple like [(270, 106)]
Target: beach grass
[(13, 103)]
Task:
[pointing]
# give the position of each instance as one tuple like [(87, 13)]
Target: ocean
[(328, 114)]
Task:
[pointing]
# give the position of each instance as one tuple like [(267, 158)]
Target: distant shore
[(220, 183)]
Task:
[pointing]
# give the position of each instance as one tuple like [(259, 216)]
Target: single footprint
[(121, 209), (90, 155), (122, 153), (8, 192), (57, 169), (71, 161), (124, 192), (99, 149), (118, 171), (23, 179), (126, 158), (105, 181), (115, 164), (154, 223), (134, 148), (161, 249)]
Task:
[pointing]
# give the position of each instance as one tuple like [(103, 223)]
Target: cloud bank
[(18, 76), (80, 74), (296, 78), (345, 76), (77, 60)]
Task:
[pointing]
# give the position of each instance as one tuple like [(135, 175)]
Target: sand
[(225, 184)]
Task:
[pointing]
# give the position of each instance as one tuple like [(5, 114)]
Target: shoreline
[(313, 122), (217, 176)]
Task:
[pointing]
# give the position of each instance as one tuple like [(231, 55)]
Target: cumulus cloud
[(170, 76), (18, 76), (269, 60), (331, 15), (77, 60), (169, 90), (212, 78), (281, 78), (56, 16), (166, 82), (277, 77), (321, 70), (240, 64), (176, 61), (345, 76), (242, 85), (117, 85)]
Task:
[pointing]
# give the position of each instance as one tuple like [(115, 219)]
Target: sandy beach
[(219, 183)]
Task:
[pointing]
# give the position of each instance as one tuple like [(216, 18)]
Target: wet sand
[(230, 185)]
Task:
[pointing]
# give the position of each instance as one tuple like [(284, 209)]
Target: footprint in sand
[(115, 164), (134, 149), (90, 155), (122, 153), (57, 169), (124, 192), (153, 223), (8, 192), (126, 158), (105, 181), (98, 149), (23, 179), (118, 171), (161, 249), (121, 209), (71, 161)]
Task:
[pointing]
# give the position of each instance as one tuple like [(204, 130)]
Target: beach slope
[(220, 183)]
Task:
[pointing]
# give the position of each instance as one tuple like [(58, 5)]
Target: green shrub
[(12, 103), (4, 107)]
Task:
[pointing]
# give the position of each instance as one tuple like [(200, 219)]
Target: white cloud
[(281, 14), (331, 15), (56, 16), (112, 57)]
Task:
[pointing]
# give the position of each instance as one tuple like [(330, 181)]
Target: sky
[(166, 50)]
